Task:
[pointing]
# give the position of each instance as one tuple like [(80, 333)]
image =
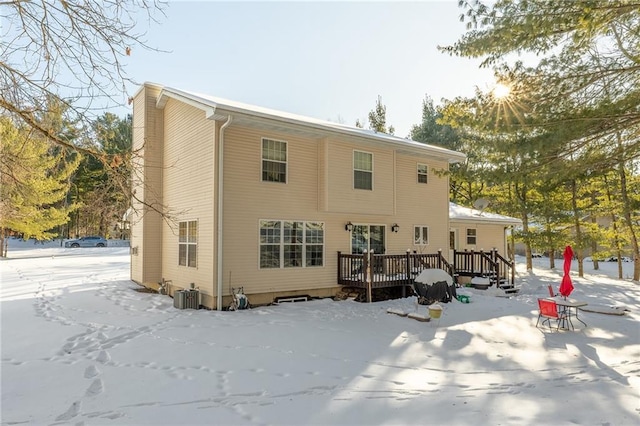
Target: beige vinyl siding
[(188, 181), (420, 204), (323, 175), (247, 200), (180, 162), (145, 233), (137, 182), (488, 236), (343, 198)]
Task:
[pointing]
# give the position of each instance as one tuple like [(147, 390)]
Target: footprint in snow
[(71, 412), (103, 357), (91, 372), (96, 387)]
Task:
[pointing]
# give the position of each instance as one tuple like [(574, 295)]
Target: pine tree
[(33, 180), (102, 203), (378, 118), (432, 131), (581, 99)]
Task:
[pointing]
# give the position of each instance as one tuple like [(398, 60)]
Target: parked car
[(87, 242), (536, 255), (615, 259)]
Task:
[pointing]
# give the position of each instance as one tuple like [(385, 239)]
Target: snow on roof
[(239, 107), (458, 212)]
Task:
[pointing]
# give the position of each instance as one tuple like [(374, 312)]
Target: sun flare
[(501, 91)]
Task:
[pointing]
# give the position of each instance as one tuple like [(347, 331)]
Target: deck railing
[(373, 271), (488, 264)]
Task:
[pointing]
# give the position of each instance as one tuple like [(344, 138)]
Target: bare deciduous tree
[(74, 51)]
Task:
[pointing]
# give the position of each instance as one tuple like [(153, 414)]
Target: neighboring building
[(476, 230), (265, 200)]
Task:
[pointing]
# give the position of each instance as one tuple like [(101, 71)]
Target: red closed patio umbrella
[(566, 287)]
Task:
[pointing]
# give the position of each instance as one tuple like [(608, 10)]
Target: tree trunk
[(576, 222), (626, 206), (3, 245), (551, 250), (527, 245)]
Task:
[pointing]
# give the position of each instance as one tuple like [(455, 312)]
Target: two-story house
[(229, 195)]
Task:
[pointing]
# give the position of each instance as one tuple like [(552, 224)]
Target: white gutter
[(220, 206)]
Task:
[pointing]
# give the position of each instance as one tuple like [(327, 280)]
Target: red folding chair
[(551, 293), (549, 311)]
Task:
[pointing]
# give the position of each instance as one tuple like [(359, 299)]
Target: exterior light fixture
[(348, 226), (395, 227)]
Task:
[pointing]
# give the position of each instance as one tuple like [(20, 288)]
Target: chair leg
[(548, 321), (543, 321)]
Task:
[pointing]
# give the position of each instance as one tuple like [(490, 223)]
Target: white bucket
[(435, 311)]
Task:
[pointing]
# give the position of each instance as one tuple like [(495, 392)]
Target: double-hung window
[(362, 170), (421, 235), (270, 243), (471, 236), (314, 244), (423, 173), (188, 243), (291, 244), (274, 161)]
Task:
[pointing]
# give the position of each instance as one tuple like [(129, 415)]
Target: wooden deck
[(374, 271)]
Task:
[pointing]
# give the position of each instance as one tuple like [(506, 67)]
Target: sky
[(81, 346), (326, 60)]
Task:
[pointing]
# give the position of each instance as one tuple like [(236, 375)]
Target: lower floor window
[(291, 244), (188, 243), (471, 236), (421, 235)]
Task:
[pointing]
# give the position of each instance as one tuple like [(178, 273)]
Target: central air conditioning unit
[(186, 299)]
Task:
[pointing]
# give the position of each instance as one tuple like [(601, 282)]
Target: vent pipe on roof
[(218, 260)]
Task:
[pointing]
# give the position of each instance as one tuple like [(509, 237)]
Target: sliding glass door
[(368, 237)]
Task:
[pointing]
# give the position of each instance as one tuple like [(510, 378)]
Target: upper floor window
[(188, 243), (362, 170), (422, 173), (421, 235), (471, 236), (274, 161), (291, 244)]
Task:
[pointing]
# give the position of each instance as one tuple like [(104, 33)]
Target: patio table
[(567, 305)]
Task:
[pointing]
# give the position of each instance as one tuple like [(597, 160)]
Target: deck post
[(408, 272), (369, 277), (473, 261), (409, 266), (339, 267), (454, 261), (513, 271)]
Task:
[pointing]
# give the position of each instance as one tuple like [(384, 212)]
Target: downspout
[(220, 206)]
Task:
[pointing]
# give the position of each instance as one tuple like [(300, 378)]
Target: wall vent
[(290, 299)]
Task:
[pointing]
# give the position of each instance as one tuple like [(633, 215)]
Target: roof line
[(211, 105)]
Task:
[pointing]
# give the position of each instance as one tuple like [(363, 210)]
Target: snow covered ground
[(80, 346)]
